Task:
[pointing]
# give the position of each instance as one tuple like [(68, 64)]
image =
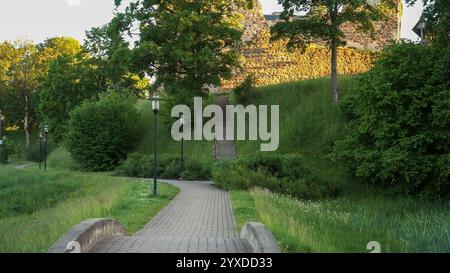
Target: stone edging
[(82, 237), (260, 238)]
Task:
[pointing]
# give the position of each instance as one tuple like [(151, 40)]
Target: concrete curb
[(82, 237), (260, 238)]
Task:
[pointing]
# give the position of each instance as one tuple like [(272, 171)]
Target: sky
[(40, 19)]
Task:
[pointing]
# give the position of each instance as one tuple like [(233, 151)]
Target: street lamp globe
[(155, 104), (46, 129)]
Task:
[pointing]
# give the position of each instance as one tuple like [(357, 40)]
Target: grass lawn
[(37, 208), (347, 224)]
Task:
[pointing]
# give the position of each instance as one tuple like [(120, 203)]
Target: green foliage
[(168, 167), (61, 159), (70, 80), (22, 65), (400, 116), (287, 174), (187, 43), (245, 92), (435, 15), (102, 133), (323, 19)]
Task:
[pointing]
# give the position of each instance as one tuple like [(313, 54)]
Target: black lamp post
[(182, 121), (45, 146), (155, 106), (40, 150)]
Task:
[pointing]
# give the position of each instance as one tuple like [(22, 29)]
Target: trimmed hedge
[(285, 174), (168, 167)]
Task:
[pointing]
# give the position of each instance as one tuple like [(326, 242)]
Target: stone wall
[(270, 62)]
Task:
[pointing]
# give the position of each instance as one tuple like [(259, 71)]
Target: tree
[(323, 20), (111, 54), (184, 43), (22, 66), (70, 80), (436, 15)]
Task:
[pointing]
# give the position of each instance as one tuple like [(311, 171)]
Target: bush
[(400, 121), (60, 158), (286, 174), (168, 167), (102, 133), (245, 92)]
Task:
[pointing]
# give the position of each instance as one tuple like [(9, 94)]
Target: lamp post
[(155, 106), (3, 154), (45, 146), (40, 150), (182, 121)]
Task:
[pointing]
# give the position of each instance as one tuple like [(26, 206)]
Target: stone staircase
[(224, 149)]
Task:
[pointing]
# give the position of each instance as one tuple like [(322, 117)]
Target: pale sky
[(40, 19)]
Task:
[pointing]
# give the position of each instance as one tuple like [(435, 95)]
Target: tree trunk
[(26, 122), (334, 74)]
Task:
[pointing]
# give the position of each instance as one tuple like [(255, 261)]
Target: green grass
[(309, 122), (348, 224), (199, 150), (309, 125), (36, 208), (244, 208)]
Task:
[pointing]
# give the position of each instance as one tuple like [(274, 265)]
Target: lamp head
[(155, 104), (46, 129)]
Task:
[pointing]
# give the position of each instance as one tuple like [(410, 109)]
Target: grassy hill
[(309, 125)]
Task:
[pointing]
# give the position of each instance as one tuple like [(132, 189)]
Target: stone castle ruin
[(269, 62)]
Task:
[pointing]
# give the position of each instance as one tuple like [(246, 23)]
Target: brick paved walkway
[(198, 220)]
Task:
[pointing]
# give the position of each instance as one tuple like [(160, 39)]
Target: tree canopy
[(186, 43)]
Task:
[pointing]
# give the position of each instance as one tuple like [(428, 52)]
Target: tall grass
[(309, 120), (349, 224), (36, 208)]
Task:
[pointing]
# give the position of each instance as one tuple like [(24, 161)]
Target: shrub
[(168, 167), (400, 122), (102, 133), (60, 158), (286, 174)]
